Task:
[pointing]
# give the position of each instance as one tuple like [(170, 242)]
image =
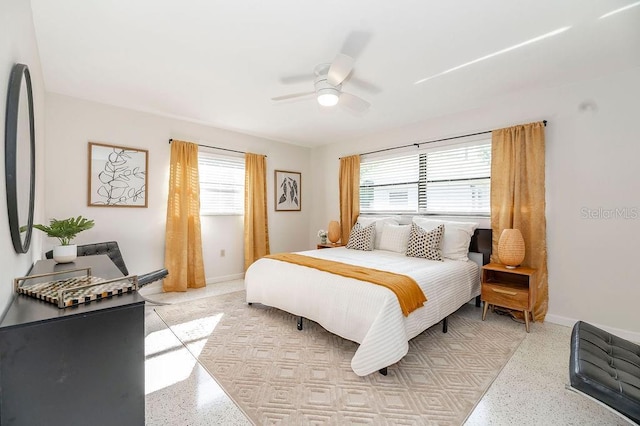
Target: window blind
[(221, 184), (456, 180), (389, 184), (447, 180)]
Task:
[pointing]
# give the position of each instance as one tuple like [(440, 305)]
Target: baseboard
[(632, 336), (225, 278), (156, 287)]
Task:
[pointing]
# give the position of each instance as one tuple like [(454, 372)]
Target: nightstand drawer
[(509, 296), (509, 288)]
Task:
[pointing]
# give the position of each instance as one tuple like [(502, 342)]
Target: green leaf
[(65, 230)]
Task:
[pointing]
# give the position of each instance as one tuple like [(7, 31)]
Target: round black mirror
[(20, 157)]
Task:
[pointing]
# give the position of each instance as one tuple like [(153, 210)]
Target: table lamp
[(511, 248)]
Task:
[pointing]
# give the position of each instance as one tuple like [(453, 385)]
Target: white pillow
[(379, 221), (395, 237), (457, 236)]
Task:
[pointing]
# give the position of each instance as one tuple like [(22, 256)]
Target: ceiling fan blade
[(353, 102), (340, 69), (293, 96), (355, 43), (364, 85)]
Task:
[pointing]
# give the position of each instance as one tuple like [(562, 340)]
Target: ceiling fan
[(328, 86)]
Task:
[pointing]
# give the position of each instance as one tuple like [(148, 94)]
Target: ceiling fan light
[(328, 97)]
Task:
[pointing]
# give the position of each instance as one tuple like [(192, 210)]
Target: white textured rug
[(277, 374)]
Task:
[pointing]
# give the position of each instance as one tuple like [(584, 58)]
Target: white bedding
[(363, 312)]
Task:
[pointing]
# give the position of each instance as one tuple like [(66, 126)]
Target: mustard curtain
[(183, 244), (349, 181), (518, 198), (256, 232)]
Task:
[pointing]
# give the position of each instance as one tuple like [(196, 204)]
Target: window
[(390, 184), (453, 180), (221, 184)]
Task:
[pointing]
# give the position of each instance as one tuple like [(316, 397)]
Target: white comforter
[(363, 312)]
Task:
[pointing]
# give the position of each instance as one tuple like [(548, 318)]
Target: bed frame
[(481, 242)]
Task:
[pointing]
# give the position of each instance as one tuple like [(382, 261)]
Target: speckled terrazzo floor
[(530, 390), (178, 390)]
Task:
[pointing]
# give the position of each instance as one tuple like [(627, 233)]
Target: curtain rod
[(216, 147), (417, 144)]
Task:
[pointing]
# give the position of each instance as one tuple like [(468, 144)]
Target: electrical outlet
[(222, 252)]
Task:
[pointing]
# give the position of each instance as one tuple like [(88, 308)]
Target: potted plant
[(65, 230)]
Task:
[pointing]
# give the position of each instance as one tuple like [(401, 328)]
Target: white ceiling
[(219, 62)]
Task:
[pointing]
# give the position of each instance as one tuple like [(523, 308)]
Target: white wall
[(72, 123), (592, 157), (18, 45)]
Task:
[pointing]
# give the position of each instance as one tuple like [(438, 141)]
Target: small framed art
[(117, 176), (288, 190)]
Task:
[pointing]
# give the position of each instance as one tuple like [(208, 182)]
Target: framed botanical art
[(117, 176), (288, 191)]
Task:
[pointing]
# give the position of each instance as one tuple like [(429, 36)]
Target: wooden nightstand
[(509, 288), (330, 245)]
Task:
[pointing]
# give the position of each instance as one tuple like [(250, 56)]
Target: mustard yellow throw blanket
[(407, 290)]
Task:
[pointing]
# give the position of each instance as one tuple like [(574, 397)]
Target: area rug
[(279, 375)]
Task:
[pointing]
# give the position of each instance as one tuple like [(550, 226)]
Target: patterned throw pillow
[(423, 243), (362, 238), (456, 238)]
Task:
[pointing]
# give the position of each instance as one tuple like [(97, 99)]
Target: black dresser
[(81, 365)]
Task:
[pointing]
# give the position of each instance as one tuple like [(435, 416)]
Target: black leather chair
[(607, 368), (111, 249)]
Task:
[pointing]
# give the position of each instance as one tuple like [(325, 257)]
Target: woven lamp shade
[(511, 248), (334, 231)]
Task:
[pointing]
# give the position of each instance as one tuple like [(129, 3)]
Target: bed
[(366, 313)]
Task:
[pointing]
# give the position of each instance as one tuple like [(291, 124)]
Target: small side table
[(509, 288), (329, 245)]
